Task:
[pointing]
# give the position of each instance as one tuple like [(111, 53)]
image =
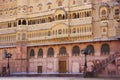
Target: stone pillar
[(69, 48), (56, 65)]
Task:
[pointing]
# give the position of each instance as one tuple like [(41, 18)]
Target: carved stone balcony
[(8, 30), (117, 18), (104, 17)]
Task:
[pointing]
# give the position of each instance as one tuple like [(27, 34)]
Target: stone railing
[(2, 45), (81, 21), (46, 26), (105, 62), (80, 34), (8, 30), (101, 64)]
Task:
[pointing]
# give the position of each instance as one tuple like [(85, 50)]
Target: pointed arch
[(40, 53), (32, 53), (75, 51), (91, 49), (62, 51), (50, 52), (24, 22), (19, 22), (105, 49)]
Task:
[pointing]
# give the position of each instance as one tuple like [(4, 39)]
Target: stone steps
[(47, 75)]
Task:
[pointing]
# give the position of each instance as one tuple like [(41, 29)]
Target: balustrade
[(104, 63)]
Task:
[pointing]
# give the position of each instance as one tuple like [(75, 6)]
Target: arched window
[(90, 49), (9, 25), (15, 24), (40, 53), (28, 22), (60, 17), (78, 15), (19, 22), (50, 52), (74, 30), (85, 14), (49, 19), (4, 54), (105, 49), (49, 5), (49, 33), (40, 6), (43, 21), (74, 15), (59, 3), (59, 31), (75, 51), (62, 51), (103, 13), (32, 53), (24, 22), (64, 17), (117, 11), (88, 14)]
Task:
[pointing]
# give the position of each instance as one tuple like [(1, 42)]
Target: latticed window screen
[(40, 53), (32, 53), (90, 49), (105, 49), (117, 11), (75, 50), (50, 52), (62, 50)]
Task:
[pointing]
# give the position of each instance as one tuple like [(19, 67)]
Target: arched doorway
[(62, 60), (62, 66)]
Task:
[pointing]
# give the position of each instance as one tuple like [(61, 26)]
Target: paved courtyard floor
[(54, 78)]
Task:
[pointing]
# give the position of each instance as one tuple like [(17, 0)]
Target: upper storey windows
[(39, 6), (104, 11), (59, 2), (49, 4), (60, 15), (116, 10)]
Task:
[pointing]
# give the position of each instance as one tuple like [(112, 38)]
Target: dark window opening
[(32, 53), (19, 22), (40, 53), (50, 52), (105, 49), (75, 51)]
